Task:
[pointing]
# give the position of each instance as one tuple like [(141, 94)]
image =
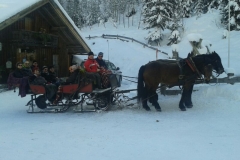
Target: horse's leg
[(154, 100), (188, 101), (145, 99), (142, 93), (183, 98)]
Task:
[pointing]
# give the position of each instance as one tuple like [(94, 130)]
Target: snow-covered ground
[(209, 131)]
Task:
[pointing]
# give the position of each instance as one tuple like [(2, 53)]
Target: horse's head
[(207, 73), (216, 62)]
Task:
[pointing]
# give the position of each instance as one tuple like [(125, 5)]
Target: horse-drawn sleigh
[(171, 73)]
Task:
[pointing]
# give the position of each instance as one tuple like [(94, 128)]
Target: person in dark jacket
[(73, 76), (45, 74), (51, 89), (37, 79), (19, 72), (70, 80), (34, 66), (100, 60), (52, 75), (27, 69), (104, 72)]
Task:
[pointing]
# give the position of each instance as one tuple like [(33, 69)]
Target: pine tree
[(113, 8), (186, 8), (176, 25), (76, 13), (234, 14), (209, 4), (69, 8), (122, 9), (157, 15), (105, 10), (93, 12), (198, 8)]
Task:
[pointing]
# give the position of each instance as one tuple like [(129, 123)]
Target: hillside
[(208, 26)]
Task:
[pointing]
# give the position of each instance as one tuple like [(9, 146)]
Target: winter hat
[(74, 67), (90, 53), (100, 54), (44, 67), (18, 64)]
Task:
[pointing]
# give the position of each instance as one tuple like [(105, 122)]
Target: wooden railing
[(30, 38), (123, 38)]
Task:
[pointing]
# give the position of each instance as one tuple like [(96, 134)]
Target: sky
[(210, 130)]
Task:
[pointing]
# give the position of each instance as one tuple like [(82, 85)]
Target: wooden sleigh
[(71, 95)]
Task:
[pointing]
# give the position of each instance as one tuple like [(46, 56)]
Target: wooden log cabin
[(43, 32)]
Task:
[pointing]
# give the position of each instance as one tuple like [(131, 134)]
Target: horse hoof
[(190, 105), (158, 109), (183, 109)]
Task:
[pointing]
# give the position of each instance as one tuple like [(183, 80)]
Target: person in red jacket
[(92, 67)]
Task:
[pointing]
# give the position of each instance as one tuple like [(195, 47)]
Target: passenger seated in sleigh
[(74, 78), (54, 91), (19, 78), (37, 79), (97, 73)]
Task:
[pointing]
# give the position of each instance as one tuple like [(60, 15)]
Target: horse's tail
[(140, 85)]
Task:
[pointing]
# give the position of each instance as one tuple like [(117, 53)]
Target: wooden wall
[(45, 56)]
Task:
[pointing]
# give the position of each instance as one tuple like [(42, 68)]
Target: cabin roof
[(52, 11)]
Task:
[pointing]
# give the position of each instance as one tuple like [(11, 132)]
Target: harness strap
[(191, 64), (181, 76)]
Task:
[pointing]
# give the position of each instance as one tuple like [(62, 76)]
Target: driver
[(93, 68)]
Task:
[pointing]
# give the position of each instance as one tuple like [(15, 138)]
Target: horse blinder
[(208, 73), (217, 65)]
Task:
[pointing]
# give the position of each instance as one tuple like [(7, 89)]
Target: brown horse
[(175, 73)]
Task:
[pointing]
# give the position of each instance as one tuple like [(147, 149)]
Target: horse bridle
[(215, 71)]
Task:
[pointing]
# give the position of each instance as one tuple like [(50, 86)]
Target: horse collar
[(190, 64)]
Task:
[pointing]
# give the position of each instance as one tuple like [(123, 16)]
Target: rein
[(130, 80), (130, 77)]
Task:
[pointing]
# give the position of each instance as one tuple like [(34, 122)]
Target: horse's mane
[(213, 55)]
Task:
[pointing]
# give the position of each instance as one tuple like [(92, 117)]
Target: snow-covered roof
[(12, 10), (9, 8)]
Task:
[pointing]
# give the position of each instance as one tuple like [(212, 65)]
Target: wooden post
[(175, 55), (156, 54)]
